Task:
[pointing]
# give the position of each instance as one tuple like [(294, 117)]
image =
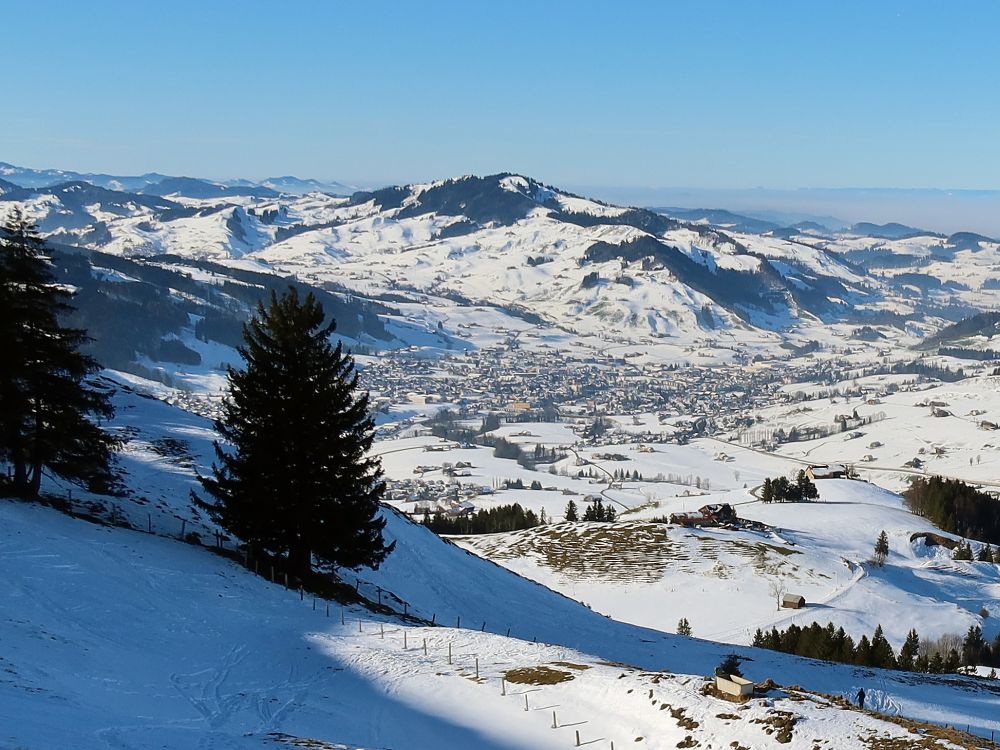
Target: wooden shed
[(732, 685), (793, 601)]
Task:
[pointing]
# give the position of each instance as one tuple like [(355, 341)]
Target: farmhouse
[(827, 471), (708, 515)]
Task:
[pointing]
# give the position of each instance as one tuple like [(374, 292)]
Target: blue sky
[(700, 94)]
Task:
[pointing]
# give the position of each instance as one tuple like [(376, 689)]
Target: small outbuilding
[(730, 684), (793, 601)]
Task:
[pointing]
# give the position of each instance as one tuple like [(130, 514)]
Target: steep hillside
[(120, 639)]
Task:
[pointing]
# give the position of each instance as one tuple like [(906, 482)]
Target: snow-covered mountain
[(510, 242)]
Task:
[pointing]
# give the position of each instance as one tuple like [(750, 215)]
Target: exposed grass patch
[(632, 551), (780, 724), (684, 722), (537, 676)]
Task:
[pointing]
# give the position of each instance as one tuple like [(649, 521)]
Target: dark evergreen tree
[(293, 477), (863, 652), (806, 488), (730, 666), (973, 646), (571, 513), (936, 664), (767, 491), (909, 653), (881, 549), (595, 511), (881, 651), (49, 413), (985, 554), (683, 627)]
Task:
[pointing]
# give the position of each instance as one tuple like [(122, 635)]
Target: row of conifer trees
[(834, 644)]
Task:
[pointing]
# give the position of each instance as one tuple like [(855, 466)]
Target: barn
[(793, 601)]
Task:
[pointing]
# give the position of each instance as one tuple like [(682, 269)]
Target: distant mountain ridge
[(515, 243), (154, 183)]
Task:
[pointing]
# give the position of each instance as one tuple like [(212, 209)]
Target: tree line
[(595, 511), (484, 521), (943, 655), (956, 507), (781, 490)]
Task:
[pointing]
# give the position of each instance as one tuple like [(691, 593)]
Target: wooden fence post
[(525, 701), (578, 738), (477, 667), (425, 647), (503, 686), (555, 724), (449, 652), (404, 640)]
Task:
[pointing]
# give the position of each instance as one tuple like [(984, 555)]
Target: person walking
[(861, 699)]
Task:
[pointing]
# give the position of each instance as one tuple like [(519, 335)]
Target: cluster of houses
[(544, 384)]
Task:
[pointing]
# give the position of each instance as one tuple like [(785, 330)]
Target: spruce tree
[(293, 477), (973, 646), (49, 412), (881, 653), (863, 653), (909, 653), (985, 554), (881, 549), (806, 489), (571, 513), (767, 492), (683, 627)]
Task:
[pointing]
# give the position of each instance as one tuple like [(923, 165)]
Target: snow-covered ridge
[(509, 240)]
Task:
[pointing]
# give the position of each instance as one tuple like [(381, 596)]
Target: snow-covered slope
[(120, 638), (126, 640)]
